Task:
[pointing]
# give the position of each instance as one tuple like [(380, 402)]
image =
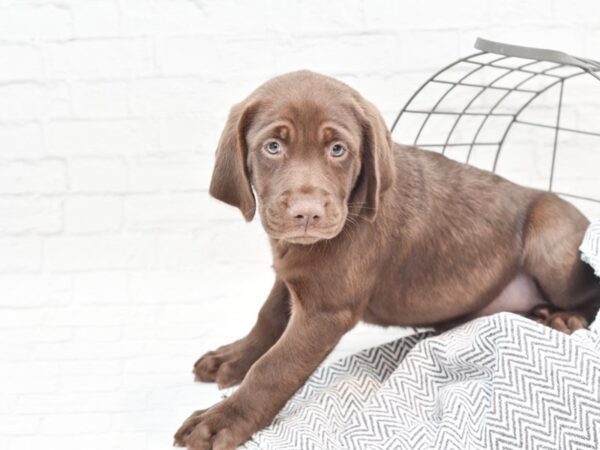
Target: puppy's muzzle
[(305, 218), (306, 212)]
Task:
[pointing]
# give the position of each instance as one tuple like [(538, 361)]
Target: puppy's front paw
[(221, 427), (228, 364)]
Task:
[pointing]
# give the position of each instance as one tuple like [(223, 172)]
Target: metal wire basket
[(525, 113)]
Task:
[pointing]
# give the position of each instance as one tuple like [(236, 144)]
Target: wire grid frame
[(505, 95)]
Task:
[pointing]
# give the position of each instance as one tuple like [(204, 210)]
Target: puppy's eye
[(337, 150), (273, 147)]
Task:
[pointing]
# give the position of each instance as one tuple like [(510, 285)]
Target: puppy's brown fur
[(382, 233)]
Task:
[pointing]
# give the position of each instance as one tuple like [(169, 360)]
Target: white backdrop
[(116, 269)]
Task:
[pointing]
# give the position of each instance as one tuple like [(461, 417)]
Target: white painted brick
[(99, 58), (11, 318), (21, 140), (44, 176), (101, 252), (102, 137), (99, 315), (77, 441), (180, 17), (23, 101), (239, 241), (97, 175), (99, 334), (222, 93), (427, 15), (62, 442), (592, 43), (79, 383), (93, 18), (138, 17), (25, 290), (182, 211), (535, 11), (232, 241), (389, 92), (206, 169), (145, 421), (392, 15), (20, 62), (92, 214), (29, 100), (217, 211), (12, 352), (22, 214), (253, 281), (176, 314), (32, 384), (52, 351), (36, 21), (216, 18), (164, 382), (8, 403), (59, 100), (19, 254), (184, 397), (19, 425), (435, 49), (26, 368), (100, 99), (348, 53), (154, 287), (80, 402), (80, 423), (197, 55), (190, 347), (170, 174), (101, 288), (26, 335), (329, 17), (168, 96), (164, 331), (179, 251), (90, 367), (578, 11), (138, 332), (151, 364), (199, 132)]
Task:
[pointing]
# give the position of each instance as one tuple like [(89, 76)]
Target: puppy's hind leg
[(565, 321), (552, 235)]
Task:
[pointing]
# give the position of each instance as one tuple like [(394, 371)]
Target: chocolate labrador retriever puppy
[(365, 229)]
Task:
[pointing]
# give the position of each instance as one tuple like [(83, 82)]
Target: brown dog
[(364, 229)]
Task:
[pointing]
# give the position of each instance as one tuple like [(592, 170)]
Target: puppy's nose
[(306, 212)]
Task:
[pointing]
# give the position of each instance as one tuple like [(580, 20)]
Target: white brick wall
[(115, 265)]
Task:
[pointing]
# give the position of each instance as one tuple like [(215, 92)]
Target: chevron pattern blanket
[(498, 382)]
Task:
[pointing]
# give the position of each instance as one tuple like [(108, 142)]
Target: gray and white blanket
[(498, 382)]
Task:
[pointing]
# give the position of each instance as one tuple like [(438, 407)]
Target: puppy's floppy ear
[(230, 181), (378, 169)]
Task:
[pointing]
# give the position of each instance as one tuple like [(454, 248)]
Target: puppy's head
[(316, 153)]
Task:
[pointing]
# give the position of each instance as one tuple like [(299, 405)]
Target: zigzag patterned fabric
[(498, 382)]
